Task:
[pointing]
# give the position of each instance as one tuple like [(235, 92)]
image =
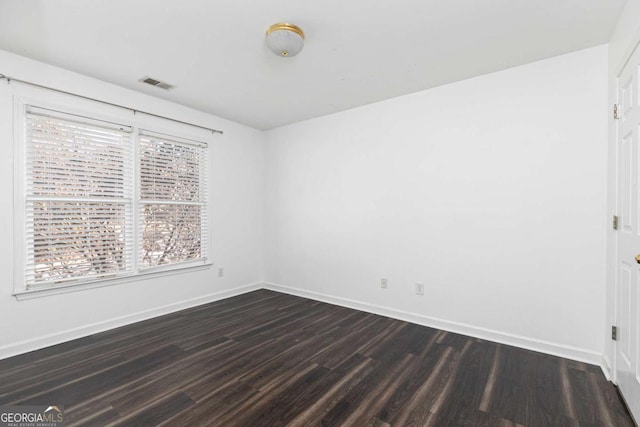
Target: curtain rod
[(10, 79)]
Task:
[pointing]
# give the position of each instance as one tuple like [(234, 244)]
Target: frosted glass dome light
[(285, 39)]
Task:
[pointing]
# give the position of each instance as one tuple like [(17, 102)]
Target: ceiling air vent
[(157, 83)]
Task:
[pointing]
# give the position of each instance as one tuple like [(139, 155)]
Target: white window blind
[(79, 198), (173, 200)]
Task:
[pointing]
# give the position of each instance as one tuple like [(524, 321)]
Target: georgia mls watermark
[(32, 416)]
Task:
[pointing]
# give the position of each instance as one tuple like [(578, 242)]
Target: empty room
[(337, 213)]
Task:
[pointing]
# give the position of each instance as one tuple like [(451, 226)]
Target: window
[(82, 220)]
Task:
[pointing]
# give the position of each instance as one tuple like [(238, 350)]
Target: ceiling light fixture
[(285, 39)]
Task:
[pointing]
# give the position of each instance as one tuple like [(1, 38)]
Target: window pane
[(169, 170), (77, 239), (73, 159), (171, 233)]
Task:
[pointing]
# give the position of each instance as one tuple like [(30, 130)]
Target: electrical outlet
[(419, 288), (220, 271), (384, 283)]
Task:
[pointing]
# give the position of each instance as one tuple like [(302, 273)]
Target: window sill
[(75, 287)]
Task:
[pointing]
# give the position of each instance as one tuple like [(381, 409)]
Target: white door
[(627, 364)]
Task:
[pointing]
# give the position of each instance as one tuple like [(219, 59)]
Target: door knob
[(638, 258)]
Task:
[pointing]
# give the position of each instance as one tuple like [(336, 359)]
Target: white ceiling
[(356, 51)]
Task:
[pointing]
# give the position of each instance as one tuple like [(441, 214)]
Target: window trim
[(92, 110)]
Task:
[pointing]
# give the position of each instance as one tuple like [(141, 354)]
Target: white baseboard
[(528, 343), (59, 337)]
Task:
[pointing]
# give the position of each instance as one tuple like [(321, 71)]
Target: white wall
[(236, 175), (491, 191), (624, 38)]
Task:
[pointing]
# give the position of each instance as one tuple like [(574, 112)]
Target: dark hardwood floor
[(266, 359)]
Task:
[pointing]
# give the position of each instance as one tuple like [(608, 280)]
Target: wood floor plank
[(467, 385), (408, 389), (95, 417), (160, 411), (386, 377), (251, 408), (270, 359), (583, 399), (75, 392), (511, 386), (347, 376), (209, 411), (50, 377), (164, 381), (283, 407)]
